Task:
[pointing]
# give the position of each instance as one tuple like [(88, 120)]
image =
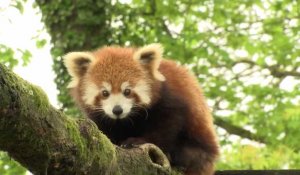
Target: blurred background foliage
[(245, 53)]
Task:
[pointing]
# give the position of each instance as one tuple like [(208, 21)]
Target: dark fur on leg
[(195, 160)]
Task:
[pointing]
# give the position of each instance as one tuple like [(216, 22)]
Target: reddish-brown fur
[(199, 118), (122, 66), (179, 120)]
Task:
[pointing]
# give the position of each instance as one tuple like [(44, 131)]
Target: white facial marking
[(117, 99), (90, 93), (125, 85), (106, 86), (143, 91)]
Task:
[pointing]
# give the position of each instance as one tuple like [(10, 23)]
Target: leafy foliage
[(8, 166), (245, 54), (9, 56)]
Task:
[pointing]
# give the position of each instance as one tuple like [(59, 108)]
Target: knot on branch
[(157, 157)]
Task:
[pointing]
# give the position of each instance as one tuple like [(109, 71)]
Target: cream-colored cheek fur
[(157, 50), (117, 99), (142, 89), (90, 93), (73, 68)]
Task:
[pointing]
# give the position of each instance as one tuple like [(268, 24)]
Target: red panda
[(135, 96)]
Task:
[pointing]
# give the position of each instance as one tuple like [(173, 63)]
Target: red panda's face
[(115, 80), (115, 84)]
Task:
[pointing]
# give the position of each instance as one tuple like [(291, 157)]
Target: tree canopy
[(245, 53)]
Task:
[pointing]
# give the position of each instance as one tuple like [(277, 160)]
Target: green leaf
[(40, 43), (26, 57), (19, 5)]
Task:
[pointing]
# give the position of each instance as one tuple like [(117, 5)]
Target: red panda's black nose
[(117, 110)]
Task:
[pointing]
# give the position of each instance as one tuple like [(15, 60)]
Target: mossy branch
[(45, 141)]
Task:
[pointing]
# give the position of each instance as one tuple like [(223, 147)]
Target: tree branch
[(274, 70), (233, 129), (45, 141)]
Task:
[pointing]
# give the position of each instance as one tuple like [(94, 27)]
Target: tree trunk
[(45, 141)]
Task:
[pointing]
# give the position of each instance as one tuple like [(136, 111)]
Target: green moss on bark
[(44, 134)]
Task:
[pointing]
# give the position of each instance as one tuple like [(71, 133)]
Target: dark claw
[(129, 146)]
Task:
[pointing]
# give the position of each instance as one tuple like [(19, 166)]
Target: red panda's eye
[(105, 93), (127, 92)]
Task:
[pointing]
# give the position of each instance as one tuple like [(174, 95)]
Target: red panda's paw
[(133, 142)]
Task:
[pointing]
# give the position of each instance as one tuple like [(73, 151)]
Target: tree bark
[(45, 141)]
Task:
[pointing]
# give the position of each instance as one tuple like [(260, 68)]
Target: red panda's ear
[(77, 64), (150, 57)]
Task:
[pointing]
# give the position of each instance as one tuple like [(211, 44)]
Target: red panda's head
[(114, 80)]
